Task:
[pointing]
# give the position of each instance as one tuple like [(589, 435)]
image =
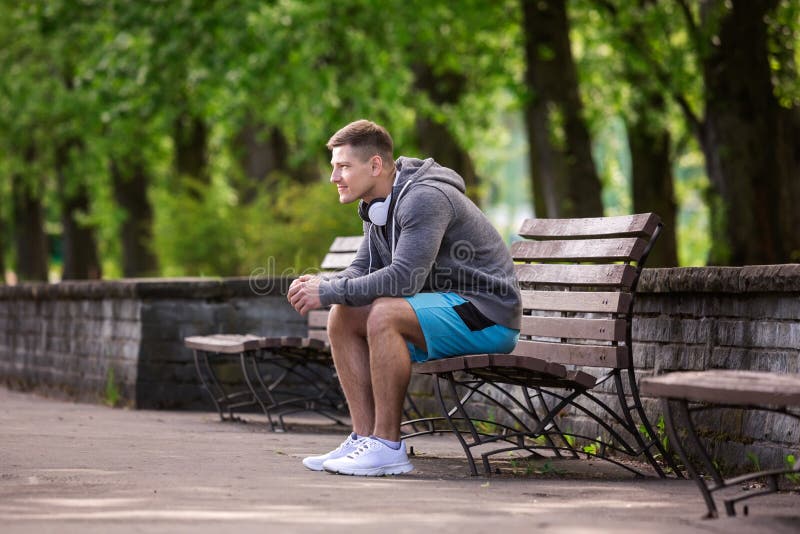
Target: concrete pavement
[(67, 467)]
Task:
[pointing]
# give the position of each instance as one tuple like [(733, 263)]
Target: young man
[(432, 279)]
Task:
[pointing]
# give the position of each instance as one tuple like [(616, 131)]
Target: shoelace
[(363, 448), (347, 443)]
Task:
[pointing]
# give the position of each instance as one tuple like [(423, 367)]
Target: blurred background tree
[(186, 137)]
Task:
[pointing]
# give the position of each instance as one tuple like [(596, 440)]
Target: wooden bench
[(718, 389), (578, 280), (282, 375)]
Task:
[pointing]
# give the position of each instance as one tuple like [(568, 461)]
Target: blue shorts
[(452, 326)]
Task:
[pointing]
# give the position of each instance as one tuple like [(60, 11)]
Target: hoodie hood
[(412, 171)]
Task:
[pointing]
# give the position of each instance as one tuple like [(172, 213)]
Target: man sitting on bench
[(432, 279)]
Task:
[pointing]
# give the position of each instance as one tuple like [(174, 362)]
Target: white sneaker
[(349, 445), (372, 458)]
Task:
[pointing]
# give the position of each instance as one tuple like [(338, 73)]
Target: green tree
[(616, 36)]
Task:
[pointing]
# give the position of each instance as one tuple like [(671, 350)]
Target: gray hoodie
[(436, 239)]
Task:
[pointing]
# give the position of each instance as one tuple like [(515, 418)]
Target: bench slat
[(577, 275), (740, 388), (338, 260), (577, 301), (448, 365), (598, 250), (572, 354), (479, 361), (346, 243), (639, 225), (574, 328), (223, 343)]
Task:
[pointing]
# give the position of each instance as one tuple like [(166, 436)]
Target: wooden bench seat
[(578, 280), (685, 393)]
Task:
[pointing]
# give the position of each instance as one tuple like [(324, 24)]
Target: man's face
[(354, 179)]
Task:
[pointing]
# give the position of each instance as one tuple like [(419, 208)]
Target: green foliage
[(205, 232), (112, 395), (527, 467), (691, 188), (791, 462), (299, 231), (594, 447), (114, 76), (487, 426), (662, 436), (753, 458)]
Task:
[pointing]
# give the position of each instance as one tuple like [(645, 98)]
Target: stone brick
[(125, 309), (780, 429), (126, 329), (645, 354), (176, 311), (680, 358)]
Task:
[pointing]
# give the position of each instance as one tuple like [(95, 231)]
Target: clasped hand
[(303, 294)]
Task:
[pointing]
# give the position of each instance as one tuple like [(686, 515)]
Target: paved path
[(68, 467)]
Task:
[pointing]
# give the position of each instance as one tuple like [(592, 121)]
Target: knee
[(337, 318), (345, 321), (382, 317)]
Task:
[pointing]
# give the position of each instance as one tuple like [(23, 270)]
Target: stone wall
[(725, 318), (67, 339), (75, 338)]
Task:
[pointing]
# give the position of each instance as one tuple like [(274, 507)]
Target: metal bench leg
[(244, 356), (683, 411), (223, 401), (463, 413), (201, 374), (631, 424)]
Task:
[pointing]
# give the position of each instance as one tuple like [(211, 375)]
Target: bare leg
[(391, 322), (347, 329)]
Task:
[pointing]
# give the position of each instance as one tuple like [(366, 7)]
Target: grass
[(112, 395)]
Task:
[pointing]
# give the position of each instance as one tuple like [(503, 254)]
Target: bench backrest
[(339, 257), (578, 278)]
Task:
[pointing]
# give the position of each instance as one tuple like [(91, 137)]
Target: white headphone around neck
[(377, 212)]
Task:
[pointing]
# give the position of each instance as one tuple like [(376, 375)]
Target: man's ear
[(376, 163)]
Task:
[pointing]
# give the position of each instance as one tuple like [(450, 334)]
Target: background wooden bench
[(283, 375), (579, 280), (722, 389)]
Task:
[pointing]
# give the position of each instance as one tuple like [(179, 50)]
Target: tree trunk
[(652, 187), (751, 143), (130, 191), (191, 147), (260, 153), (652, 178), (80, 248), (2, 252), (560, 168), (30, 239), (434, 139)]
